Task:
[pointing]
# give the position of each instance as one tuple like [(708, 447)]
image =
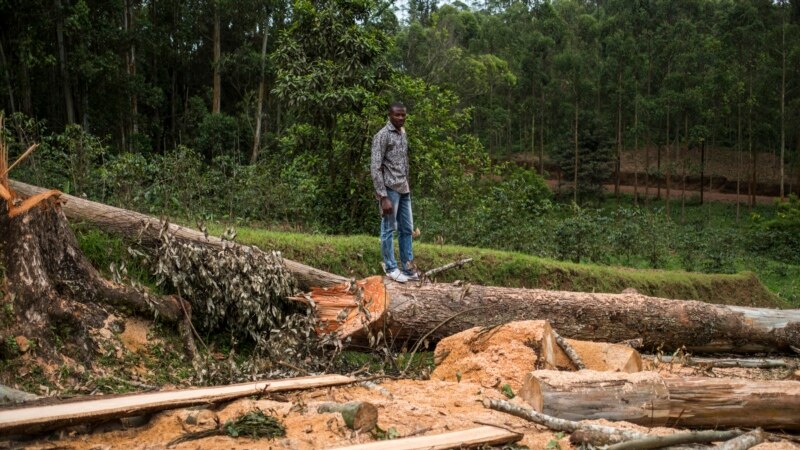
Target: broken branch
[(438, 270), (692, 437), (573, 355)]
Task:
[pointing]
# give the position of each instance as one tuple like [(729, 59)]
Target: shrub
[(778, 237)]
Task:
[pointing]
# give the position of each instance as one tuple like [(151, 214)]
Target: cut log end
[(347, 309), (358, 416)]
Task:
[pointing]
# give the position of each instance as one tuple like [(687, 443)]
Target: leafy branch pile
[(254, 425)]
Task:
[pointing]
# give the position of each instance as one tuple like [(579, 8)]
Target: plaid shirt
[(389, 163)]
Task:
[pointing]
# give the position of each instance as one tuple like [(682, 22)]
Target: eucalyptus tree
[(744, 31), (574, 67), (330, 63), (621, 68)]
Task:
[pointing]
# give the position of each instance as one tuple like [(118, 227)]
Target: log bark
[(147, 228), (35, 419), (411, 311), (647, 399)]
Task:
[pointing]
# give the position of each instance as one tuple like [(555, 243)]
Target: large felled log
[(435, 311), (649, 399), (92, 409), (147, 228)]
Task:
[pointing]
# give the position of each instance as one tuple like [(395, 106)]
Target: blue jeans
[(399, 220)]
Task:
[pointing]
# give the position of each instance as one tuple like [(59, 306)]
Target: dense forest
[(263, 110)]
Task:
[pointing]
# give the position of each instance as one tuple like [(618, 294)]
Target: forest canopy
[(264, 109)]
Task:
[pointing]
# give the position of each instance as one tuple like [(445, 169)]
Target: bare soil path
[(691, 195)]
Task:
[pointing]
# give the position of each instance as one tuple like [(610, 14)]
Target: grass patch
[(359, 256)]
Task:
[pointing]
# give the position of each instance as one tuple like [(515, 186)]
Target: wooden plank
[(454, 439), (92, 409)]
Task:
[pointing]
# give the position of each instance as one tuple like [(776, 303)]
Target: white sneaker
[(397, 275)]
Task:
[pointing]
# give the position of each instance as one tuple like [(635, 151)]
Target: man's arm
[(378, 152), (376, 162)]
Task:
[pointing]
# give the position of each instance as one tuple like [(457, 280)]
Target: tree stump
[(53, 294)]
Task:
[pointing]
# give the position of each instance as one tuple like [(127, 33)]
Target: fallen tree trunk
[(148, 229), (648, 399), (34, 419), (434, 311)]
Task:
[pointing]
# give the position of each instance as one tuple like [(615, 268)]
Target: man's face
[(398, 117)]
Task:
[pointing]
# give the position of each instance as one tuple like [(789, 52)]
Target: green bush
[(580, 237), (778, 237)]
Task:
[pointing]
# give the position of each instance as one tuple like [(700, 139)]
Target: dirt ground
[(405, 408), (409, 407), (676, 194)]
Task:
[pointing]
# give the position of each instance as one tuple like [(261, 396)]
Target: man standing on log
[(389, 169)]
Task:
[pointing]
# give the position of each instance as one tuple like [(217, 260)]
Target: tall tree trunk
[(25, 87), (750, 148), (533, 127), (541, 133), (130, 69), (738, 158), (577, 146), (667, 146), (261, 88), (702, 167), (7, 74), (62, 64), (619, 137), (648, 140), (216, 100), (683, 166), (173, 107), (636, 148), (783, 102)]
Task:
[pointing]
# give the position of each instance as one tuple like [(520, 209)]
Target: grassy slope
[(358, 256)]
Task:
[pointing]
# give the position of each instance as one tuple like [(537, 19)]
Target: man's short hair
[(398, 105)]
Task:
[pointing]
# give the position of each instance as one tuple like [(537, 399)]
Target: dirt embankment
[(722, 170)]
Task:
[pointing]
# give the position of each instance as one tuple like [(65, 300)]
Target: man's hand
[(386, 206)]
